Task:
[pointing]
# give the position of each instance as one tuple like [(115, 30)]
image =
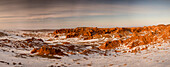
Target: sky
[(54, 14)]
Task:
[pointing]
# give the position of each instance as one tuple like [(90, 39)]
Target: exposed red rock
[(141, 36), (61, 50), (138, 35), (110, 44), (130, 37), (46, 50)]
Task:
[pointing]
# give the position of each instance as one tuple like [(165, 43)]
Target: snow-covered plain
[(157, 55)]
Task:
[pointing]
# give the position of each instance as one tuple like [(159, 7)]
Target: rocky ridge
[(126, 38)]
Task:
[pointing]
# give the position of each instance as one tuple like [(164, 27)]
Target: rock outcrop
[(141, 36), (129, 36)]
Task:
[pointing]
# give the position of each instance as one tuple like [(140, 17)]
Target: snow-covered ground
[(157, 55), (147, 58)]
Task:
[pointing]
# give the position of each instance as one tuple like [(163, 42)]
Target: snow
[(91, 40), (62, 37), (154, 56)]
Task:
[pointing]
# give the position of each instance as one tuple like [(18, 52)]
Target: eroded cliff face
[(140, 36), (132, 37), (129, 38), (94, 32)]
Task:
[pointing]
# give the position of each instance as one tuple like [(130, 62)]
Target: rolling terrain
[(146, 46)]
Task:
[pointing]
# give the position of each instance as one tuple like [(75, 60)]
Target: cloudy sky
[(35, 14)]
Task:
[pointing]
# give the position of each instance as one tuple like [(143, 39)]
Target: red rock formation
[(46, 50), (110, 44), (130, 37), (140, 36)]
